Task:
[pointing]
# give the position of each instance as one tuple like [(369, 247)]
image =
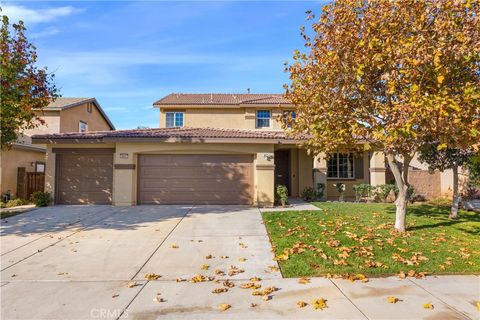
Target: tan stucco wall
[(51, 125), (10, 160), (125, 180), (69, 119), (228, 117)]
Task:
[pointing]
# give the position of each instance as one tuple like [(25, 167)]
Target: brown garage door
[(195, 179), (84, 178)]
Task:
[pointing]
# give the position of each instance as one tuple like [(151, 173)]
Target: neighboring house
[(209, 149), (62, 115)]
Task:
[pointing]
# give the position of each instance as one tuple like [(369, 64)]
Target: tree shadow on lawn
[(439, 215)]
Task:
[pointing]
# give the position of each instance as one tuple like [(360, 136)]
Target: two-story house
[(208, 149), (61, 115)]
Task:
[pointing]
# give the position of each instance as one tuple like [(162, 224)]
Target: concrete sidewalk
[(90, 262)]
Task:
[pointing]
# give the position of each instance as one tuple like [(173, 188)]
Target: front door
[(282, 168)]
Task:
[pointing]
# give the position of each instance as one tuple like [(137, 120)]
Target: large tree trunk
[(401, 180), (456, 198)]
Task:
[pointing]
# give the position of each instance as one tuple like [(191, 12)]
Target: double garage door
[(162, 179), (195, 179)]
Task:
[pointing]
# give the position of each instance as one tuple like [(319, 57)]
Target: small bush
[(281, 194), (2, 205), (382, 191), (320, 191), (363, 190), (441, 201), (471, 193), (41, 199), (308, 194), (15, 203)]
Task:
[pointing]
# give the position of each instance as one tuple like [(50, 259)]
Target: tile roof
[(180, 134), (61, 103), (221, 99)]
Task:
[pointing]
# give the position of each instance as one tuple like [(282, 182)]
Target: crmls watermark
[(100, 313)]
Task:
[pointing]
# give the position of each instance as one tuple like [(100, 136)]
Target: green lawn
[(358, 238)]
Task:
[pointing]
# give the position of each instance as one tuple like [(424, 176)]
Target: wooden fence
[(29, 182)]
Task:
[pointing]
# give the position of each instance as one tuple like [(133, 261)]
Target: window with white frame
[(263, 118), (340, 166), (82, 126), (174, 119)]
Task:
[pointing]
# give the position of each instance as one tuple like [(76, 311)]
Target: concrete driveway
[(84, 262)]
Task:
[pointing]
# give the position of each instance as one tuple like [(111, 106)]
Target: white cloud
[(16, 13), (45, 33)]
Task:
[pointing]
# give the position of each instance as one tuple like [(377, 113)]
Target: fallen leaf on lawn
[(421, 275), (282, 257), (228, 284), (250, 285), (319, 304), (131, 284), (152, 276), (411, 273), (301, 304), (209, 257), (427, 306), (255, 279), (205, 266), (180, 279), (304, 280), (174, 246), (402, 275), (242, 259), (115, 295), (392, 300), (224, 306), (219, 290)]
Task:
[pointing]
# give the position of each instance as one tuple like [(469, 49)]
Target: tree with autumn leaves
[(387, 76), (24, 87)]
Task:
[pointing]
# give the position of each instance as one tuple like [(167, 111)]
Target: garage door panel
[(85, 178), (200, 179)]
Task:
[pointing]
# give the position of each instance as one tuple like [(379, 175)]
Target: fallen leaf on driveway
[(402, 275), (224, 306), (319, 304), (223, 257), (219, 290), (242, 259), (304, 280), (228, 284), (265, 291), (392, 300), (478, 305), (219, 272), (209, 257), (198, 278), (157, 298), (266, 297), (205, 266), (273, 268), (174, 246), (152, 276), (428, 306), (250, 285), (180, 279), (253, 305), (301, 304), (411, 273), (132, 284), (255, 279), (115, 295)]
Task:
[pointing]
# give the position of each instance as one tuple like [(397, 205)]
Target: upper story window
[(340, 166), (174, 119), (263, 118), (82, 126), (289, 117)]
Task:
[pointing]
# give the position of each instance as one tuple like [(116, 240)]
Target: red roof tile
[(181, 134), (221, 99)]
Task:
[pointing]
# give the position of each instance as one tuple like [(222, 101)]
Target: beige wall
[(10, 160), (70, 118), (228, 117), (52, 123), (125, 180)]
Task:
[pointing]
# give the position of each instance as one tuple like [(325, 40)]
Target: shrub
[(2, 204), (471, 193), (363, 190), (320, 191), (411, 194), (308, 194), (281, 194), (41, 199), (382, 191), (15, 203), (341, 190)]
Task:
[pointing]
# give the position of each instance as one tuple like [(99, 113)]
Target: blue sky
[(130, 54)]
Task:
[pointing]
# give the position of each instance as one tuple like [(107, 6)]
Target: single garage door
[(84, 178), (195, 179)]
